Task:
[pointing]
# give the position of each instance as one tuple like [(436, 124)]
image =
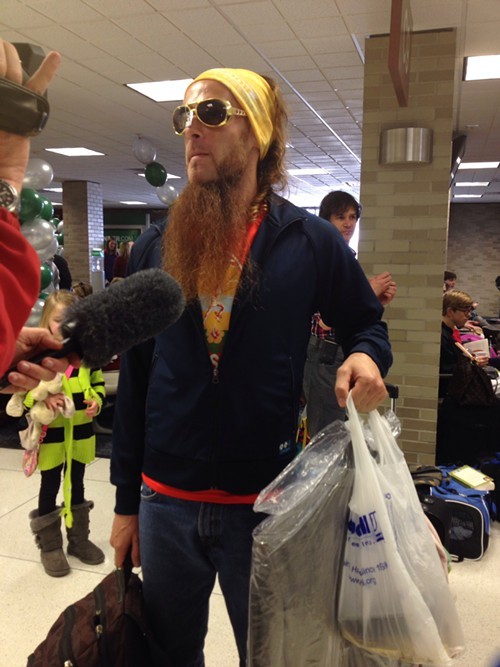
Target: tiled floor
[(31, 601)]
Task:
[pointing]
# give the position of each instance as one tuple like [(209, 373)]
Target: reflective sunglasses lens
[(212, 112), (181, 118)]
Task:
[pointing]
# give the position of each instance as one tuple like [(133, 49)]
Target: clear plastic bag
[(297, 561), (394, 599)]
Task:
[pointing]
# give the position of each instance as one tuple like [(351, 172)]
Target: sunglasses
[(211, 112)]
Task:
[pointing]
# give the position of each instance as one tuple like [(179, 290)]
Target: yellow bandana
[(255, 96)]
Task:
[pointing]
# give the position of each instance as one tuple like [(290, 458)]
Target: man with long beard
[(206, 413)]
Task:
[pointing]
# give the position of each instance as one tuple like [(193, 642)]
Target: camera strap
[(22, 111)]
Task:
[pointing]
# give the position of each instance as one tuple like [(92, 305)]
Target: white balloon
[(60, 227), (38, 174), (46, 253), (36, 313), (39, 233), (144, 150), (167, 194)]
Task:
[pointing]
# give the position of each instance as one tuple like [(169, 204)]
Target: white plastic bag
[(296, 561), (394, 599)]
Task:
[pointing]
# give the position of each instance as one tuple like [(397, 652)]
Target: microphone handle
[(68, 347)]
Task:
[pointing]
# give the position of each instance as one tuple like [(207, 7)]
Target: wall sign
[(400, 49)]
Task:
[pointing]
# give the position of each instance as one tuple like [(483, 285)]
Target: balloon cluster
[(156, 174), (41, 229)]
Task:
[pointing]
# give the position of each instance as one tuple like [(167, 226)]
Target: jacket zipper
[(215, 369)]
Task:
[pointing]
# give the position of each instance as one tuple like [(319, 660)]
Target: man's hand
[(384, 287), (14, 149), (125, 535), (361, 374), (32, 341)]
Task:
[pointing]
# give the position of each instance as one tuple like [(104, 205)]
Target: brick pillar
[(404, 223), (83, 225)]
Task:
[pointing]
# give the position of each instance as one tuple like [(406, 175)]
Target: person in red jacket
[(20, 265)]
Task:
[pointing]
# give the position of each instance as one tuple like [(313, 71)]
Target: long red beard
[(206, 225)]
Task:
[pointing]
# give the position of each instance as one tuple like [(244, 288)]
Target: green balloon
[(31, 204), (43, 295), (60, 239), (47, 212), (55, 221), (45, 276), (156, 174)]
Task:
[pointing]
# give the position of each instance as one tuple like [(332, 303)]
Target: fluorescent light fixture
[(52, 189), (478, 165), (482, 67), (134, 203), (162, 91), (473, 184), (78, 151), (312, 171), (169, 176), (466, 196)]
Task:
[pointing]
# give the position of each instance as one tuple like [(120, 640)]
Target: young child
[(68, 443)]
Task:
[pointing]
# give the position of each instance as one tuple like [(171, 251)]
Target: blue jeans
[(184, 545), (320, 374)]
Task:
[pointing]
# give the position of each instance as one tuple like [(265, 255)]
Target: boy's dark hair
[(336, 203), (450, 275)]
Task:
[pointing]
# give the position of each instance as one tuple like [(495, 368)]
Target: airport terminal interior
[(383, 104)]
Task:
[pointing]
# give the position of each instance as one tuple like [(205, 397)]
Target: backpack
[(106, 628), (470, 517), (491, 466)]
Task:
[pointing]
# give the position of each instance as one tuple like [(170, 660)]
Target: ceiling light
[(169, 176), (474, 184), (482, 67), (78, 151), (52, 189), (312, 171), (162, 91), (134, 203), (466, 196), (478, 165)]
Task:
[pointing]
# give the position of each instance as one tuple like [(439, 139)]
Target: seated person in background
[(456, 311), (465, 432), (450, 280)]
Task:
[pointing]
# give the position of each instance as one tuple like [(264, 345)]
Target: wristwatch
[(9, 198)]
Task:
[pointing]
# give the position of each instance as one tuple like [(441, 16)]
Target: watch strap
[(22, 111)]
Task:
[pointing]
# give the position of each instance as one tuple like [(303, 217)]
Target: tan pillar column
[(404, 223), (83, 225)]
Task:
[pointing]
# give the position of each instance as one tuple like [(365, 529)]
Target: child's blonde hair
[(56, 298)]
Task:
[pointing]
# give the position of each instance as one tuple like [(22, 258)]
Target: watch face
[(8, 196)]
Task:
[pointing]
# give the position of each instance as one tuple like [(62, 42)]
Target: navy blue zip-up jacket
[(188, 427)]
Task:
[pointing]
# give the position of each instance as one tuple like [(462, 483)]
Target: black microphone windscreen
[(123, 315)]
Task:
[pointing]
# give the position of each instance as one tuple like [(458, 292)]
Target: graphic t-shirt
[(217, 309)]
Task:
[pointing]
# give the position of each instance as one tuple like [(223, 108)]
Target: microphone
[(117, 318)]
